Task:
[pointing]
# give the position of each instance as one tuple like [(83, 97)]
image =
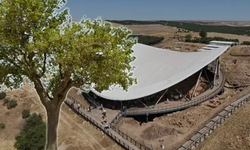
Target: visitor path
[(93, 116)]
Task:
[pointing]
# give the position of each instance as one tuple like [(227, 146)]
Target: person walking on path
[(78, 106), (101, 107), (104, 112), (72, 104), (89, 108)]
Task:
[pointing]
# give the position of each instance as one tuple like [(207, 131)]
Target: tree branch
[(60, 70), (64, 92), (61, 96), (44, 65), (40, 91), (61, 85)]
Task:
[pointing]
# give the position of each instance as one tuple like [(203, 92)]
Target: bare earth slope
[(74, 132)]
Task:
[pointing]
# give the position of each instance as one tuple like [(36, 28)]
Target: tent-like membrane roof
[(158, 69)]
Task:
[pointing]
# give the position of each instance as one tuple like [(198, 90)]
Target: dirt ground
[(74, 132), (177, 127), (235, 63), (233, 134), (168, 32)]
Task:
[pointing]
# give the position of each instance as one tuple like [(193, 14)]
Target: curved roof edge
[(207, 57)]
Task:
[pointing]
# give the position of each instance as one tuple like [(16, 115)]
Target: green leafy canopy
[(82, 54)]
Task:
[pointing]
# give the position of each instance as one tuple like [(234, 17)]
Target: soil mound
[(240, 51), (131, 121), (156, 131)]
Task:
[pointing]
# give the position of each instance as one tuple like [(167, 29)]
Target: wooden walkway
[(111, 133), (210, 93)]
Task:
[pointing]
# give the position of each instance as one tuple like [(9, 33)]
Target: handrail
[(132, 140), (88, 98), (214, 123), (116, 137), (116, 120), (178, 106)]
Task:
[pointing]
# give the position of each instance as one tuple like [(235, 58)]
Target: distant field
[(148, 40), (190, 26)]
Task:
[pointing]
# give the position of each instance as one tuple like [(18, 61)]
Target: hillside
[(74, 132), (223, 23), (169, 33), (191, 26)]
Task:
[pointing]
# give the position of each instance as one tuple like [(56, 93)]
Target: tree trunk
[(52, 124)]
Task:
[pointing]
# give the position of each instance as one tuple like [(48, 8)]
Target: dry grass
[(233, 134)]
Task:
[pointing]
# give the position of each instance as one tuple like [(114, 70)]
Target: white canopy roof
[(223, 42), (157, 69)]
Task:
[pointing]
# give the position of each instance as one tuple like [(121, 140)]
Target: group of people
[(78, 106), (104, 117)]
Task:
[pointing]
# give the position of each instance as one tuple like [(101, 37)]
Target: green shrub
[(203, 34), (12, 104), (5, 101), (147, 40), (188, 38), (245, 43), (2, 125), (33, 134), (25, 113), (2, 95)]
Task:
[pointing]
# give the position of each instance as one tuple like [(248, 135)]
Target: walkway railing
[(178, 107), (214, 123), (111, 133), (116, 120), (114, 124), (140, 145)]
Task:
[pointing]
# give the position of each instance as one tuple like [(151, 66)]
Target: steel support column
[(196, 84), (143, 104), (181, 94), (207, 75), (146, 118), (160, 98), (216, 68)]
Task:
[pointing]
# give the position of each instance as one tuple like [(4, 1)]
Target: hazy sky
[(161, 9)]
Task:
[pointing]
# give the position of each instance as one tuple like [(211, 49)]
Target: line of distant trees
[(190, 26), (245, 43), (206, 40), (148, 40)]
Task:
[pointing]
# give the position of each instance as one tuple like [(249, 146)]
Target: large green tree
[(83, 54), (188, 38)]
